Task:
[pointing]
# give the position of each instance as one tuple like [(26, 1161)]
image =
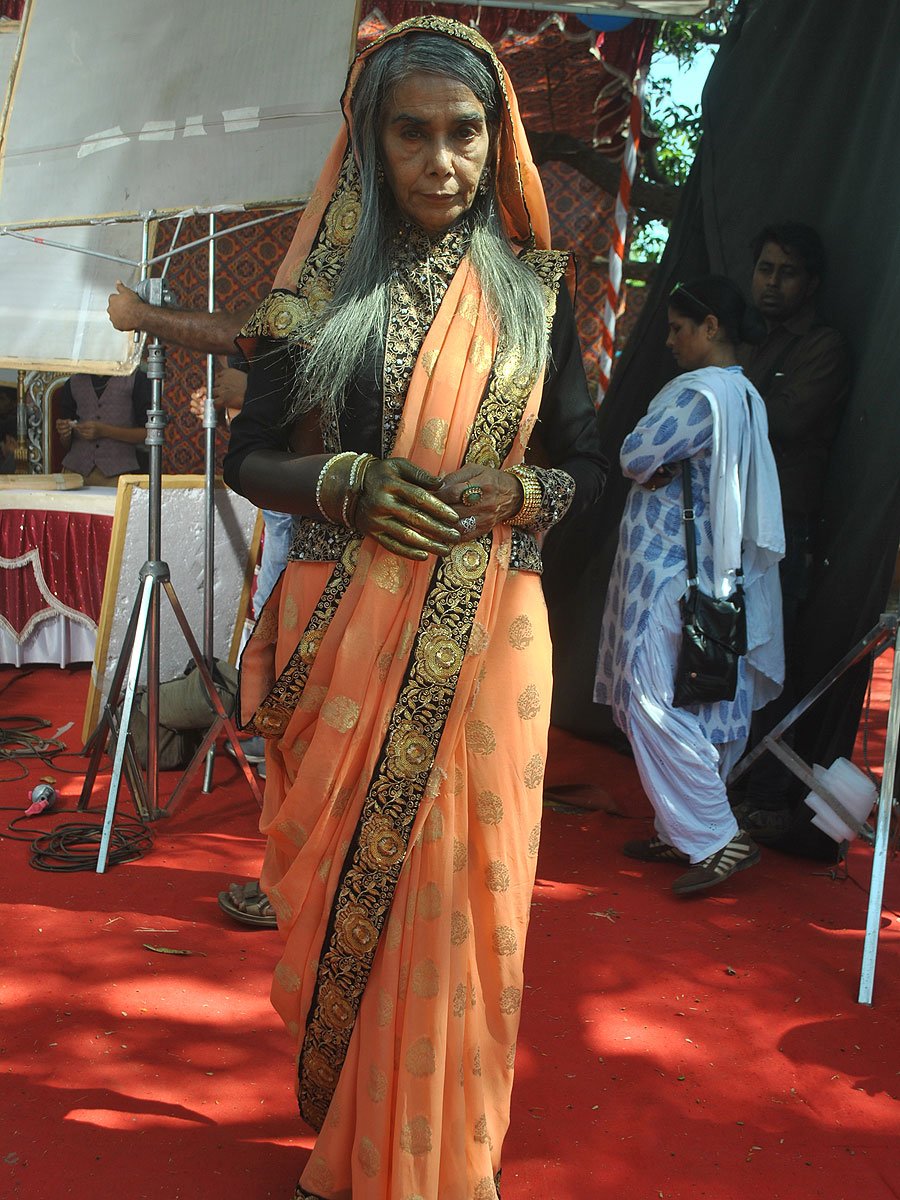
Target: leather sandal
[(248, 904)]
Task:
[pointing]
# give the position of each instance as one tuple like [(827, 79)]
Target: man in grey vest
[(102, 421)]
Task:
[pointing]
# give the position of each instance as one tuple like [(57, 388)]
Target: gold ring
[(471, 495)]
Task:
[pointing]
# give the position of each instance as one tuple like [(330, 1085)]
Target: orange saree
[(407, 707)]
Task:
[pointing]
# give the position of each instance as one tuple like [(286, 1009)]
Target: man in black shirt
[(802, 371)]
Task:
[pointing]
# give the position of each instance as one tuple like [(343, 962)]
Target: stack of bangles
[(352, 490), (532, 491)]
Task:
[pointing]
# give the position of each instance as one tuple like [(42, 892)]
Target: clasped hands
[(88, 431), (413, 513)]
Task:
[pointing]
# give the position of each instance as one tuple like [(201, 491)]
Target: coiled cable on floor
[(75, 847)]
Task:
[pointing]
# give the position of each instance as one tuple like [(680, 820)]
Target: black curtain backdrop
[(800, 115)]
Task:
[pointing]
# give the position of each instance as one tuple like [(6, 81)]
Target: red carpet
[(708, 1048)]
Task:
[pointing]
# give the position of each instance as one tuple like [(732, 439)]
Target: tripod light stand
[(142, 635)]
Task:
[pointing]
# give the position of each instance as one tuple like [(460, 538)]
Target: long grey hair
[(354, 321)]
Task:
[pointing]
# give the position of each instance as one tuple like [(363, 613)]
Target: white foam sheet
[(120, 108), (182, 529)]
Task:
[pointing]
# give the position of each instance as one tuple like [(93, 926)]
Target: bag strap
[(690, 532)]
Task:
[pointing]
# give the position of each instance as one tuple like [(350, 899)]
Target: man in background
[(802, 371), (102, 424)]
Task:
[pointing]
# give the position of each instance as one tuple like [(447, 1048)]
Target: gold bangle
[(534, 495), (354, 484), (320, 482)]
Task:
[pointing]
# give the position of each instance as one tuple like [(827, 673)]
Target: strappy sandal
[(248, 904)]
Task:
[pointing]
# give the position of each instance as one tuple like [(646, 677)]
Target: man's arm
[(210, 333)]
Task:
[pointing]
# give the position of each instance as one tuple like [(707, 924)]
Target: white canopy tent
[(118, 112)]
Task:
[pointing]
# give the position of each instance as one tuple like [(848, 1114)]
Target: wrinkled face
[(691, 343), (434, 144), (781, 283)]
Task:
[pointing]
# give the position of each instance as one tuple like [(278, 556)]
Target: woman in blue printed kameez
[(712, 416)]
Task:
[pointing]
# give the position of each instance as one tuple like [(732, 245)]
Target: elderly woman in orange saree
[(420, 339)]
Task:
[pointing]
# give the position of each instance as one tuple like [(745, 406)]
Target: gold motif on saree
[(459, 928), (293, 831), (505, 941), (480, 354), (390, 574), (420, 1058), (308, 646), (280, 315), (426, 980), (441, 656), (384, 1009), (313, 698), (291, 616), (342, 218), (341, 713), (409, 752), (481, 1132), (460, 854), (430, 902), (482, 452), (434, 434), (480, 738), (377, 1084), (267, 627), (510, 1000), (497, 877), (478, 640), (521, 633), (489, 808), (529, 703), (466, 563), (415, 1136), (534, 771), (380, 845), (434, 823), (354, 931), (459, 1000), (287, 977), (336, 1012), (534, 841)]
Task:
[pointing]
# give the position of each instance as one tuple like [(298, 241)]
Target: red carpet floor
[(670, 1050)]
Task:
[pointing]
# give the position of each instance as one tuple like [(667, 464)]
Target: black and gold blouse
[(565, 448)]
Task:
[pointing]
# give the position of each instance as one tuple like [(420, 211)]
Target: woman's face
[(435, 143), (691, 343)]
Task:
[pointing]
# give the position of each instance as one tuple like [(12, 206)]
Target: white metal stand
[(880, 638)]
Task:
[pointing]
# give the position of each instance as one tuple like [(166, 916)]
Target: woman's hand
[(399, 509), (481, 497), (660, 477)]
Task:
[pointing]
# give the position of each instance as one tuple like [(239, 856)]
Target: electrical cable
[(68, 847)]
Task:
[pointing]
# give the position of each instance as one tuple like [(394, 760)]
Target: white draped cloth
[(715, 418)]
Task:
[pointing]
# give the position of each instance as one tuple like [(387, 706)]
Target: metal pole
[(882, 835), (209, 443), (21, 426), (156, 423)]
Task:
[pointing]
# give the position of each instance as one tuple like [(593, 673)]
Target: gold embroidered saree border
[(375, 858), (272, 716)]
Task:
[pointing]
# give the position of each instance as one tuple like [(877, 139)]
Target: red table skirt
[(51, 564)]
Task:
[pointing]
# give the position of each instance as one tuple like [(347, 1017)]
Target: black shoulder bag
[(714, 631)]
